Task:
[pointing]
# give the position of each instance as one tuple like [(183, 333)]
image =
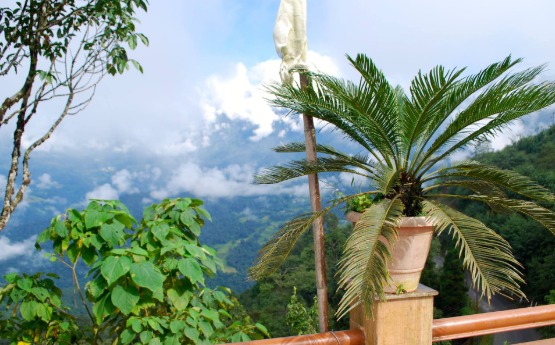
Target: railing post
[(400, 319)]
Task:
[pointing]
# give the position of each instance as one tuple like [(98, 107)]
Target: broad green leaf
[(72, 251), (173, 340), (183, 204), (113, 233), (25, 284), (11, 277), (41, 293), (93, 219), (160, 231), (74, 216), (179, 301), (127, 336), (137, 250), (192, 334), (195, 251), (210, 263), (211, 315), (191, 269), (125, 298), (126, 219), (187, 217), (114, 267), (155, 341), (159, 294), (146, 336), (102, 308), (60, 228), (44, 311), (17, 295), (89, 255), (204, 213), (28, 310), (262, 329), (176, 326), (206, 328), (43, 237), (195, 228), (146, 275), (136, 324), (154, 325)]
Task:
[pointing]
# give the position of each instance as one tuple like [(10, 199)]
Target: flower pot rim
[(405, 221)]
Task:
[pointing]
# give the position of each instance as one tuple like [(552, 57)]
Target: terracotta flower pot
[(409, 252)]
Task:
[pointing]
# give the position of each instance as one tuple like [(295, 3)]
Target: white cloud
[(10, 250), (45, 182), (234, 180), (103, 192), (123, 181), (241, 94)]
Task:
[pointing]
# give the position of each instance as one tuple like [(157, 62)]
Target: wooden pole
[(318, 225)]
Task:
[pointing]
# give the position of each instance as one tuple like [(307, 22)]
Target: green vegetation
[(146, 282), (405, 141)]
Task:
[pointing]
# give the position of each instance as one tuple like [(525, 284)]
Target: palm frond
[(427, 96), (385, 178), (294, 169), (319, 104), (358, 160), (459, 92), (276, 250), (542, 215), (476, 186), (506, 179), (377, 99), (486, 255), (501, 103), (363, 112), (363, 267)]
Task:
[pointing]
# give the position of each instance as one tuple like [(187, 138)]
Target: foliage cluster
[(301, 319), (146, 281)]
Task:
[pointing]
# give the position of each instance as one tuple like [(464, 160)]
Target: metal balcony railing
[(442, 329)]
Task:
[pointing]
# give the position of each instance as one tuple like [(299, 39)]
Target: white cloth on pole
[(290, 37)]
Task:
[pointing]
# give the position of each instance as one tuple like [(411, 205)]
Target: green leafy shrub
[(147, 281), (301, 319)]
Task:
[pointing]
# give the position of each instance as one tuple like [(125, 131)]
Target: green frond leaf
[(427, 97), (385, 179), (365, 113), (486, 255), (276, 250), (500, 104), (506, 179), (363, 267), (479, 187), (540, 214), (294, 169)]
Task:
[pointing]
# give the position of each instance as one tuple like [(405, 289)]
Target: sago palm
[(407, 143)]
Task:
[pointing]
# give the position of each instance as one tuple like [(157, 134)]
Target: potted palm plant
[(408, 142)]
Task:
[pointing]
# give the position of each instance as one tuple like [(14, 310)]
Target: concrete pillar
[(400, 319)]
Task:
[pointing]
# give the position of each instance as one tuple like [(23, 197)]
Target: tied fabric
[(290, 37)]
